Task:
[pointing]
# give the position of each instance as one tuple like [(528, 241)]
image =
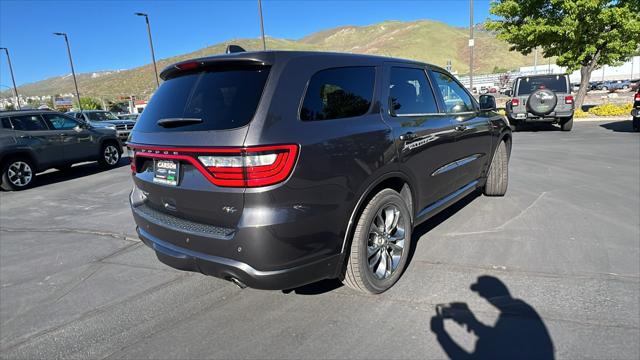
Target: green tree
[(582, 34), (90, 104), (9, 107)]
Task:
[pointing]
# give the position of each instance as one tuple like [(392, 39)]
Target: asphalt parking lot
[(76, 283)]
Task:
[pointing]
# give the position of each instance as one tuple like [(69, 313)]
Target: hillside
[(424, 40)]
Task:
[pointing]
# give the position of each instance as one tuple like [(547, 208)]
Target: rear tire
[(498, 176), (381, 240), (567, 125), (109, 155), (636, 123), (18, 173)]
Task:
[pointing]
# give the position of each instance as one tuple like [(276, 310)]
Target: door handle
[(408, 136), (461, 127), (63, 134)]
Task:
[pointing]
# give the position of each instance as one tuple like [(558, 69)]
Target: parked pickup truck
[(541, 98)]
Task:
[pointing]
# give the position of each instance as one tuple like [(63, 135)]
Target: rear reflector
[(515, 102), (233, 167), (568, 99)]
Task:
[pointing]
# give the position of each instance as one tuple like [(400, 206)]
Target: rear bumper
[(224, 268), (550, 118)]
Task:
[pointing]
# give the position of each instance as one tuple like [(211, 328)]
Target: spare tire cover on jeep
[(542, 101)]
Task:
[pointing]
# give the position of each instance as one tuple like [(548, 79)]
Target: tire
[(567, 125), (109, 155), (498, 176), (605, 88), (636, 123), (18, 173), (373, 243)]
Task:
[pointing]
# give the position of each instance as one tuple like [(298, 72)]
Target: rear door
[(196, 121), (472, 129), (424, 137), (77, 142), (45, 142)]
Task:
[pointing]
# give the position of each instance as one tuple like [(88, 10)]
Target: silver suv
[(541, 98)]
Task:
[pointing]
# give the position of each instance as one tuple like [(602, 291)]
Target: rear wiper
[(175, 122)]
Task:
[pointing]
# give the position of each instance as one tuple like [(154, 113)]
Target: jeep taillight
[(515, 102), (233, 167), (637, 98), (568, 99)]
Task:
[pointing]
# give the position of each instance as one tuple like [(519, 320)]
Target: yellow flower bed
[(580, 114), (611, 110)]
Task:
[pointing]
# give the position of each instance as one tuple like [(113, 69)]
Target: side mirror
[(508, 92), (487, 103)]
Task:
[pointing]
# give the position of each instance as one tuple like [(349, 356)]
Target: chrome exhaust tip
[(237, 282)]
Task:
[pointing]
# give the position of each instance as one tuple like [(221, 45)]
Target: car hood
[(113, 122)]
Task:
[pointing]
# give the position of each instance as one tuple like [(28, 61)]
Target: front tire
[(498, 176), (567, 125), (109, 155), (380, 244), (18, 174)]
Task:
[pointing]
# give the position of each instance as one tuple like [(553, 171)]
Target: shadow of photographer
[(519, 332)]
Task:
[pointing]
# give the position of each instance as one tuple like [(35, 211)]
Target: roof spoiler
[(234, 49)]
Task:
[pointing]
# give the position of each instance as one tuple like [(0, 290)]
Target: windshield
[(101, 116), (222, 99), (555, 83)]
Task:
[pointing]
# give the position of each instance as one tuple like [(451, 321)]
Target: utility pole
[(153, 55), (264, 42), (13, 79), (471, 45), (73, 72)]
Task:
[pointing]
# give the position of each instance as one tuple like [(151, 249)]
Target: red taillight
[(568, 99), (515, 102), (637, 98), (234, 167)]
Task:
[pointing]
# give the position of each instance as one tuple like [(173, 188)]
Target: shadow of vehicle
[(316, 288), (619, 126), (519, 332), (534, 127), (80, 170)]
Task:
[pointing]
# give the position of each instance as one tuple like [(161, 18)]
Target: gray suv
[(34, 141), (541, 98), (102, 118)]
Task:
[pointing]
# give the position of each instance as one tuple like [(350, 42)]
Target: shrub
[(580, 114), (611, 110)]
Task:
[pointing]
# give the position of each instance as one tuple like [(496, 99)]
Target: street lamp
[(153, 55), (264, 42), (15, 90), (471, 45), (73, 72)]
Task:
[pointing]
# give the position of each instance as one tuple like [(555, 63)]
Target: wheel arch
[(395, 180), (19, 153)]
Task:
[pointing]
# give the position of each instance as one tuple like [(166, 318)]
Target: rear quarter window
[(5, 123), (223, 99), (28, 123), (338, 93)]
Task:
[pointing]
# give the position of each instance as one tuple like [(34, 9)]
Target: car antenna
[(234, 49)]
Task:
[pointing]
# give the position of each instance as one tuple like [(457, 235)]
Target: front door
[(424, 137), (473, 130)]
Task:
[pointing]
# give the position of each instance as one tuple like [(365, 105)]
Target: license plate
[(166, 172)]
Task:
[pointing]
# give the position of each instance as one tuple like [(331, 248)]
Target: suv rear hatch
[(559, 84), (188, 144)]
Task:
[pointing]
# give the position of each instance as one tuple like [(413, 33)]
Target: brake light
[(637, 98), (515, 102), (234, 167), (187, 65), (568, 99)]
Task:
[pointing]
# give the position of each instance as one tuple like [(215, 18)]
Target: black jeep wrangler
[(541, 98)]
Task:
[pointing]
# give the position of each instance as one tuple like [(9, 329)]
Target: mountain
[(429, 41)]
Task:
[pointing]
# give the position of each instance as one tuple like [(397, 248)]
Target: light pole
[(13, 79), (73, 71), (471, 45), (153, 55), (264, 42)]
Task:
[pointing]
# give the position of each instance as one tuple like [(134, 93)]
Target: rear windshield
[(557, 83), (221, 99)]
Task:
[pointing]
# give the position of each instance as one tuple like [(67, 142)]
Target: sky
[(105, 35)]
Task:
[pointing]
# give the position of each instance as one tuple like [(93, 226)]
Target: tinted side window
[(5, 124), (61, 122), (338, 93), (28, 123), (410, 92), (456, 99)]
